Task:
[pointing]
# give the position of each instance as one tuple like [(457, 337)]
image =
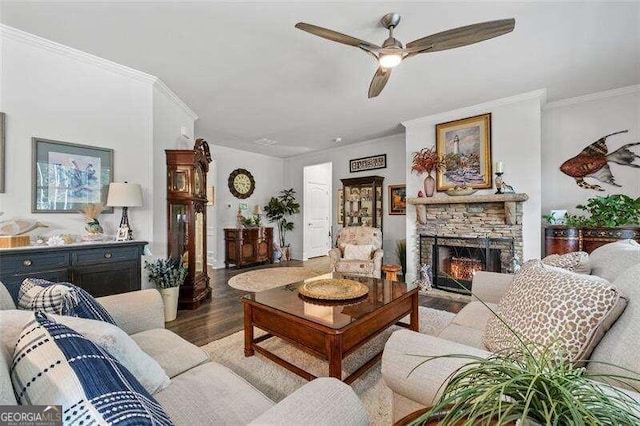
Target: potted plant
[(401, 254), (90, 212), (278, 210), (427, 161), (167, 275)]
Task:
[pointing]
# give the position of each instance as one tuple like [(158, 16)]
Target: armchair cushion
[(355, 267), (358, 252), (359, 265)]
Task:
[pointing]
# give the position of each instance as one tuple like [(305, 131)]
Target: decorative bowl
[(333, 289), (462, 191)]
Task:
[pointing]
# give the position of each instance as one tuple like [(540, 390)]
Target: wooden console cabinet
[(249, 245), (560, 239), (101, 269)]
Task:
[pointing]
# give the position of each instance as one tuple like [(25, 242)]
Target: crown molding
[(159, 84), (70, 52), (621, 91), (540, 94)]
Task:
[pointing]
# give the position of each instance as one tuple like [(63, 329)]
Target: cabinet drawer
[(103, 255), (26, 263)]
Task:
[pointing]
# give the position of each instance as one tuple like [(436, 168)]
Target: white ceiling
[(249, 74)]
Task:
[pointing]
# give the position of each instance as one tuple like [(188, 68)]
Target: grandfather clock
[(187, 218)]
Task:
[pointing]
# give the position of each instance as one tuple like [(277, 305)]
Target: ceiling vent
[(265, 142)]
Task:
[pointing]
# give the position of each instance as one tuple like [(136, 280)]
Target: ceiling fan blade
[(378, 82), (462, 36), (335, 36)]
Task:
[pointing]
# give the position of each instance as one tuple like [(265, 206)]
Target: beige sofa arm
[(323, 401), (135, 311), (377, 263), (406, 350), (490, 286), (334, 257)]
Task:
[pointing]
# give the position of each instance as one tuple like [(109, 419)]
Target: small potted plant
[(278, 210), (427, 161), (90, 212), (167, 275)]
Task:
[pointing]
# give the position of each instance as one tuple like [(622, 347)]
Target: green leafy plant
[(531, 384), (247, 221), (611, 211), (166, 273), (401, 254), (279, 209), (549, 218)]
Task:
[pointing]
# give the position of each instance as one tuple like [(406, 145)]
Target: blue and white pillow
[(60, 298), (54, 365)]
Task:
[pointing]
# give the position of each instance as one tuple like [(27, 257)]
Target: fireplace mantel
[(509, 201)]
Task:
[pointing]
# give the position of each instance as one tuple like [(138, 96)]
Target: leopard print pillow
[(577, 262), (555, 308)]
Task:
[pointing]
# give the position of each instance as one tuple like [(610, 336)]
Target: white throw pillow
[(111, 338), (357, 252)]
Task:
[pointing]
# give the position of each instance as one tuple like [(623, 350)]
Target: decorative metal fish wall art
[(593, 162)]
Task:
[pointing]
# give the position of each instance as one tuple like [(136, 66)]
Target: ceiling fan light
[(389, 60)]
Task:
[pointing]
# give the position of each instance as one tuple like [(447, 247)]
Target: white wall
[(51, 91), (268, 174), (515, 140), (571, 125), (393, 146)]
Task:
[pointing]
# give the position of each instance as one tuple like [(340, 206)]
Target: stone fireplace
[(458, 236)]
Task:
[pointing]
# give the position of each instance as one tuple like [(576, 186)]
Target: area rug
[(264, 279), (276, 382)]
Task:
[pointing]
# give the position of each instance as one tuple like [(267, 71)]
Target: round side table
[(391, 271)]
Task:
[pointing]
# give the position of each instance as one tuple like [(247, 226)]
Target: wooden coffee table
[(328, 331)]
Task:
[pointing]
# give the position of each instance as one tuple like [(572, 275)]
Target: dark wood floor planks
[(223, 314)]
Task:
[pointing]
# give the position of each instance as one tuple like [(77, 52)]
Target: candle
[(499, 167)]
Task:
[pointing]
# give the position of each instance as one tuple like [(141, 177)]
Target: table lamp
[(257, 215), (124, 195)]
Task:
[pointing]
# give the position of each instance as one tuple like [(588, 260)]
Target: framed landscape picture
[(397, 199), (65, 176), (465, 146)]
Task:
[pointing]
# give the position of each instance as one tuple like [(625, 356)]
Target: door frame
[(305, 198)]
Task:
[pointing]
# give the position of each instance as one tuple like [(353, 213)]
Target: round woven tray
[(333, 289)]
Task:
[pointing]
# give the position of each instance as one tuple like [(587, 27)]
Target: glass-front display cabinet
[(363, 201), (187, 218)]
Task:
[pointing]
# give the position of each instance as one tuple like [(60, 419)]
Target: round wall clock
[(241, 183)]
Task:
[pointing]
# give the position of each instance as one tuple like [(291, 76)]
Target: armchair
[(358, 235)]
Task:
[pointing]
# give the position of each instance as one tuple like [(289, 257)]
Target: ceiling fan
[(391, 53)]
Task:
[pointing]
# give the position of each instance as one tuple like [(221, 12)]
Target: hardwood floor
[(222, 315)]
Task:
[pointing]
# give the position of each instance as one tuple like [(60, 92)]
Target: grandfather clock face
[(241, 183)]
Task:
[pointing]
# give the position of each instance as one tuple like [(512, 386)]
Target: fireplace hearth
[(454, 260)]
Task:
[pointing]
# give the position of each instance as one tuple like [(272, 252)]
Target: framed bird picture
[(465, 147)]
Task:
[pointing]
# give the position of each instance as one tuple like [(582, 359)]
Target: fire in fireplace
[(455, 260)]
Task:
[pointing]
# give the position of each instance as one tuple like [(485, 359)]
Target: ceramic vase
[(429, 186), (170, 301)]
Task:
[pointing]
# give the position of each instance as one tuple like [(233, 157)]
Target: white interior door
[(317, 210)]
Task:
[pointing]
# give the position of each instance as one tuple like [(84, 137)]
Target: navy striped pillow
[(62, 299), (55, 365)]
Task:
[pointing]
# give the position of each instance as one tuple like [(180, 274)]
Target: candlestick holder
[(499, 182)]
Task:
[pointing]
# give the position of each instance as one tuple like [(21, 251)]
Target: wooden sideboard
[(247, 245), (560, 239), (101, 269)]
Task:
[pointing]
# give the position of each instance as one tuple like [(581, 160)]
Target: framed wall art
[(397, 199), (64, 176), (368, 163), (465, 146), (341, 206)]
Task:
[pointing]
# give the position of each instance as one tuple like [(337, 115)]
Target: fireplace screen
[(455, 260)]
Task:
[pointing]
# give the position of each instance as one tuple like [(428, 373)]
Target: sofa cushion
[(53, 364), (174, 354), (577, 261), (555, 308), (358, 252), (211, 394), (60, 298), (465, 335), (109, 337), (7, 397), (621, 345), (6, 301), (357, 267), (609, 260), (475, 315)]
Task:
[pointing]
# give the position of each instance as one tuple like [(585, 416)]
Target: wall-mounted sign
[(368, 163)]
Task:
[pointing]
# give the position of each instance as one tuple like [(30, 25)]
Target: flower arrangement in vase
[(427, 161)]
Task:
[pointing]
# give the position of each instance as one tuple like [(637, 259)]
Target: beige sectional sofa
[(618, 262), (201, 392)]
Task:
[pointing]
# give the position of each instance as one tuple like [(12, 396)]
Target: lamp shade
[(124, 195), (257, 209)]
